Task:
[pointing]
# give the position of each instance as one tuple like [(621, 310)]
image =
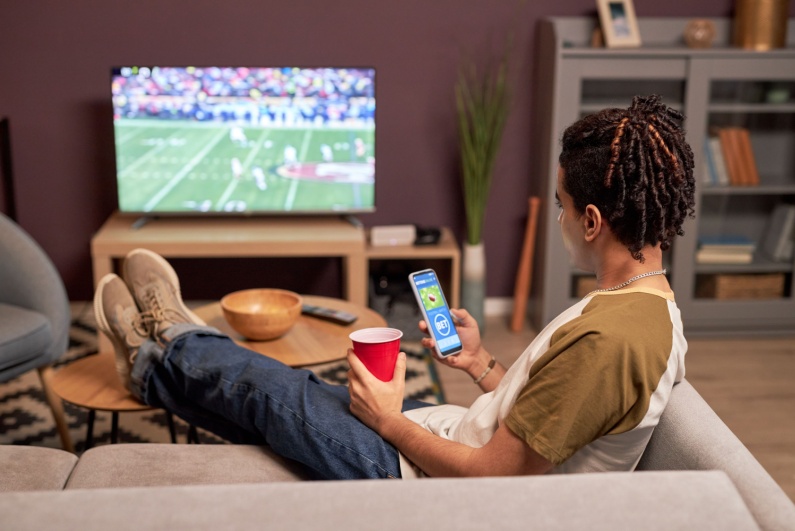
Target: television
[(244, 140)]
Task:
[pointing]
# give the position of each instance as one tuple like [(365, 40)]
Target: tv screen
[(234, 140)]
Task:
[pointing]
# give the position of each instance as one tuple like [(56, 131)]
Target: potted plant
[(482, 102)]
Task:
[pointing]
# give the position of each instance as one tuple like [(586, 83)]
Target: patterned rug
[(25, 418)]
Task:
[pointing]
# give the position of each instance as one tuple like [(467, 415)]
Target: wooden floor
[(750, 383)]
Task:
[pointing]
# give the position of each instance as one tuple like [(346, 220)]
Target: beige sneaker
[(155, 286), (119, 319)]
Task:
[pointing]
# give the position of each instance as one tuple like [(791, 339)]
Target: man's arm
[(378, 405)]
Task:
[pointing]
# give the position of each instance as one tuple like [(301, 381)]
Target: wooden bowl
[(261, 314)]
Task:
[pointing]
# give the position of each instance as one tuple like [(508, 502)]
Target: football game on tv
[(244, 140)]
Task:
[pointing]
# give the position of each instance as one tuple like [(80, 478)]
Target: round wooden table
[(310, 341), (93, 383)]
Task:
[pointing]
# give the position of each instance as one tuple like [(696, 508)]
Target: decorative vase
[(473, 288), (761, 24)]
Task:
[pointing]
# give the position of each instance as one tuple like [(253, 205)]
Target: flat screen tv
[(235, 140)]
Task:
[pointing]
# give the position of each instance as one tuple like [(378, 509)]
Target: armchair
[(34, 315)]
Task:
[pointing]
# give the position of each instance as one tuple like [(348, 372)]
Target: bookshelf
[(718, 88)]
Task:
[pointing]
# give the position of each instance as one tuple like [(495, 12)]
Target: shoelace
[(141, 327), (158, 311)]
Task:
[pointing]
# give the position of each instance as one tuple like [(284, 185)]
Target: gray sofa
[(695, 474)]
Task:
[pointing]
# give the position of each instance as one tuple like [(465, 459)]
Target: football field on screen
[(168, 167)]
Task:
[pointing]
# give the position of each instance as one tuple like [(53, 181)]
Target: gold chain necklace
[(628, 282)]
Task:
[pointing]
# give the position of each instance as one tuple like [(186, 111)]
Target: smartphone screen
[(435, 311)]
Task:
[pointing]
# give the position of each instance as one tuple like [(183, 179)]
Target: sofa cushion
[(145, 465), (24, 335), (34, 468), (653, 501)]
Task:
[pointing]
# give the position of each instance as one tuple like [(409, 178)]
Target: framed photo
[(619, 25)]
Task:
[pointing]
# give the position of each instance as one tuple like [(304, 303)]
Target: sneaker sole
[(172, 277)]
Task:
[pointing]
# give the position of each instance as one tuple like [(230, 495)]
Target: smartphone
[(436, 312)]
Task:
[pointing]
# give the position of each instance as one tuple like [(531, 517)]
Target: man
[(584, 396)]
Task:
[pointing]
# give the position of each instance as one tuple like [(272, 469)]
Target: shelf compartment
[(749, 216), (752, 94), (772, 142), (598, 94)]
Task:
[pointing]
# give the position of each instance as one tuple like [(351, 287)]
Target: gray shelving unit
[(718, 86)]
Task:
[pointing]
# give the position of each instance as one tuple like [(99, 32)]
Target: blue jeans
[(206, 379)]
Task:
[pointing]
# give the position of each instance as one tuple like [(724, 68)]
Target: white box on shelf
[(393, 235)]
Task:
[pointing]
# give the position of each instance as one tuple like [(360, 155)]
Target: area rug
[(25, 418)]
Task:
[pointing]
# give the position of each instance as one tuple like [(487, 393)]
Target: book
[(719, 162), (716, 256), (731, 154), (729, 242), (711, 173), (779, 238), (746, 151)]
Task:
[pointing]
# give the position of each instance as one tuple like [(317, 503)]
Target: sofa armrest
[(691, 436)]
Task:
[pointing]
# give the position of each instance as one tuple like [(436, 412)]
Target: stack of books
[(731, 249), (730, 158)]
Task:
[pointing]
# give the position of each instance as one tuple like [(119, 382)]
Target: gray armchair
[(34, 315)]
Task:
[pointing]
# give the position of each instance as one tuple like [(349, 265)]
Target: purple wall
[(54, 87)]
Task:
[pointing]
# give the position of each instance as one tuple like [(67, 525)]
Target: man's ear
[(593, 222)]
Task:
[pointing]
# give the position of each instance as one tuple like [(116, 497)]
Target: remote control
[(328, 314)]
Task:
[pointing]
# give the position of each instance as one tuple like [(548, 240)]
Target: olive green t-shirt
[(597, 377), (587, 393)]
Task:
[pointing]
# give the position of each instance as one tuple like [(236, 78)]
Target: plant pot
[(473, 288)]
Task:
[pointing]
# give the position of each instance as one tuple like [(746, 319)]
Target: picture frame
[(619, 24)]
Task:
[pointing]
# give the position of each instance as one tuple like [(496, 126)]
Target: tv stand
[(236, 238)]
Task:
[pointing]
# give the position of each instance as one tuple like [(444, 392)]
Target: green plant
[(482, 103)]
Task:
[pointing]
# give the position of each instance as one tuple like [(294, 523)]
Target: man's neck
[(617, 267)]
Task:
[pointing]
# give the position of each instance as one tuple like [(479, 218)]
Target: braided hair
[(636, 167)]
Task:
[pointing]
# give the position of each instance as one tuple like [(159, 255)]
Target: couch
[(695, 474)]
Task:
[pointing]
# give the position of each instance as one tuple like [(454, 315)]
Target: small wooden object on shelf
[(699, 33)]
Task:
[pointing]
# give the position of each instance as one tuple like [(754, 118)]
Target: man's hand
[(468, 331), (373, 401)]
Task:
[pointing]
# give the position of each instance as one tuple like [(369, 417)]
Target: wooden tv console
[(266, 237)]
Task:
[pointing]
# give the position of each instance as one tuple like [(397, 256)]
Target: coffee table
[(310, 341), (93, 383)]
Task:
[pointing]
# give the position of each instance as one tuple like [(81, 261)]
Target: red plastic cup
[(378, 349)]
